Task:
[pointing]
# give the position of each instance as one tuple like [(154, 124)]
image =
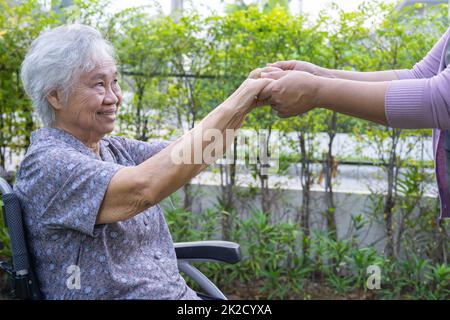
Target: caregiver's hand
[(292, 93), (296, 65), (256, 74)]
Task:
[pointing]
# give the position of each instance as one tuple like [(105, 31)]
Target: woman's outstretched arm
[(134, 189)]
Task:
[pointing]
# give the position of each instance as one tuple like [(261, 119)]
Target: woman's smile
[(108, 114)]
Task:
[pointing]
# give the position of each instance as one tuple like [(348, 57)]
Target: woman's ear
[(55, 99)]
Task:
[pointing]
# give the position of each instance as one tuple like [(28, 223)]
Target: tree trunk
[(306, 181), (389, 203), (187, 203), (138, 122), (227, 199), (263, 159), (329, 169)]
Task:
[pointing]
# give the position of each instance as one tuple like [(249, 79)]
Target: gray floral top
[(61, 184)]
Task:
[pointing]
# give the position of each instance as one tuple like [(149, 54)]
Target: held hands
[(290, 87), (247, 96), (292, 93), (295, 65)]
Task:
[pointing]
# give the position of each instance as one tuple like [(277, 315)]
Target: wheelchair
[(25, 286)]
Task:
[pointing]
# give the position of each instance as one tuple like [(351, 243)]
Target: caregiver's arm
[(296, 65), (134, 189), (414, 103), (296, 92), (365, 100), (375, 76), (408, 104)]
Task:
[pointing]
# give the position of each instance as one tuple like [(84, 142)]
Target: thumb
[(261, 85), (254, 88), (274, 75), (266, 92)]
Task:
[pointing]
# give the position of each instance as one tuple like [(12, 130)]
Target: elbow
[(146, 196), (139, 205), (129, 193), (140, 198)]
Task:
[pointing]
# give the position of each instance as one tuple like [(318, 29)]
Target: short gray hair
[(56, 60)]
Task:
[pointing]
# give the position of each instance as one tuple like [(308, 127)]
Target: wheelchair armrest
[(221, 251)]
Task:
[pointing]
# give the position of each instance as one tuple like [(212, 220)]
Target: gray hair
[(55, 61)]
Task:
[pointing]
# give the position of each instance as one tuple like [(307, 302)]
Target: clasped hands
[(294, 88)]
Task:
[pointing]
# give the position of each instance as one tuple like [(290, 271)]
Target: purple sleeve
[(421, 98), (419, 103), (428, 66)]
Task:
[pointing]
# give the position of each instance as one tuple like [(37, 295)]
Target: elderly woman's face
[(94, 101)]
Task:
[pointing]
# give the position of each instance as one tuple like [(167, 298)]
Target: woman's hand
[(256, 74), (246, 97), (292, 93), (295, 65)]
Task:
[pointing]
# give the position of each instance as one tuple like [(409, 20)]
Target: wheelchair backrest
[(23, 279)]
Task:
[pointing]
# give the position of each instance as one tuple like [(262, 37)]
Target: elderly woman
[(90, 201)]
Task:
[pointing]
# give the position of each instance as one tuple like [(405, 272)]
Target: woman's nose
[(111, 97)]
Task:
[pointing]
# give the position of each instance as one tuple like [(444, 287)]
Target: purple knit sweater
[(421, 99)]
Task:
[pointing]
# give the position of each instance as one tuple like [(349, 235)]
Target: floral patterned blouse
[(61, 184)]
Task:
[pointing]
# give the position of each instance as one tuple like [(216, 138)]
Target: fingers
[(266, 92), (262, 85), (256, 74), (251, 89), (274, 75), (284, 65), (280, 113)]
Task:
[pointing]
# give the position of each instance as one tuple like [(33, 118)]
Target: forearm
[(365, 100), (162, 174), (134, 189), (376, 76)]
